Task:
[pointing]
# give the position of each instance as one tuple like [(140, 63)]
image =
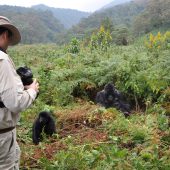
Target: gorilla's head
[(44, 117), (109, 88)]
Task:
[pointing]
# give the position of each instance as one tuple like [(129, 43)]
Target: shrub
[(74, 46), (101, 40), (159, 41)]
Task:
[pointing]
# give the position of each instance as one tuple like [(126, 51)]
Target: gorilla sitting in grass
[(110, 97), (43, 123)]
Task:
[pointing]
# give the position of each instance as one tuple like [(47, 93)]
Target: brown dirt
[(49, 150), (129, 145), (77, 125)]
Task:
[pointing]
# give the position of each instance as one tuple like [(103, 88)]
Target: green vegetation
[(74, 46), (88, 136), (128, 44), (101, 40)]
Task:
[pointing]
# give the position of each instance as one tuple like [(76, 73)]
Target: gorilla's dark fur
[(110, 97), (43, 123)]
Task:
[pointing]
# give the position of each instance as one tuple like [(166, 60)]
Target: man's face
[(4, 38)]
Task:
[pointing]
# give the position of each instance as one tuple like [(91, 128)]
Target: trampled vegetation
[(89, 136)]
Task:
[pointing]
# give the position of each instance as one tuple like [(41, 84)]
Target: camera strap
[(2, 105)]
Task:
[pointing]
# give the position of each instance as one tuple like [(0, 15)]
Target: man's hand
[(34, 85)]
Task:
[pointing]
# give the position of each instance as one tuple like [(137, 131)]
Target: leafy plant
[(74, 46), (159, 41), (101, 40)]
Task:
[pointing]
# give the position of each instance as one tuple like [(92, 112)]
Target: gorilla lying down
[(110, 97), (43, 123)]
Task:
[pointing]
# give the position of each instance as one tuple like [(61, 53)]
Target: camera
[(26, 75)]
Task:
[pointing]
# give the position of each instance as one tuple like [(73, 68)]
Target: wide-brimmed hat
[(16, 37)]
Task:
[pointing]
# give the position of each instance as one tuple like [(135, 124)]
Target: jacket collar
[(2, 50)]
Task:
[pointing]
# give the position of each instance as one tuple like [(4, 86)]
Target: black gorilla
[(44, 122), (26, 75), (110, 97)]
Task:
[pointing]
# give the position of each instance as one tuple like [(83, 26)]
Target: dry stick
[(77, 124), (96, 143), (33, 159), (137, 104), (86, 127)]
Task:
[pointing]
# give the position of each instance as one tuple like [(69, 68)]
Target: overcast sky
[(83, 5)]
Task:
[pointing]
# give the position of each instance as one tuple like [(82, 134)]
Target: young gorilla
[(110, 97), (44, 122)]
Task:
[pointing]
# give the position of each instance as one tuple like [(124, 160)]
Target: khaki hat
[(16, 37)]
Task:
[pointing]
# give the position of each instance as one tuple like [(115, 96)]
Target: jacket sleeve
[(12, 92)]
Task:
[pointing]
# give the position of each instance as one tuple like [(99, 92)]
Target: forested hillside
[(119, 15), (35, 26), (129, 20), (137, 17), (155, 16), (68, 17), (41, 26), (117, 18), (114, 3)]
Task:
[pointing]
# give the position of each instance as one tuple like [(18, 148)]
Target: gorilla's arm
[(100, 98), (50, 127), (37, 129), (118, 95)]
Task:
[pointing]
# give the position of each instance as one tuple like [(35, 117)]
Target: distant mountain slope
[(68, 17), (139, 17), (115, 2), (156, 16), (35, 26), (120, 15)]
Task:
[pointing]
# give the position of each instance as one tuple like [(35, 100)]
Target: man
[(14, 97)]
